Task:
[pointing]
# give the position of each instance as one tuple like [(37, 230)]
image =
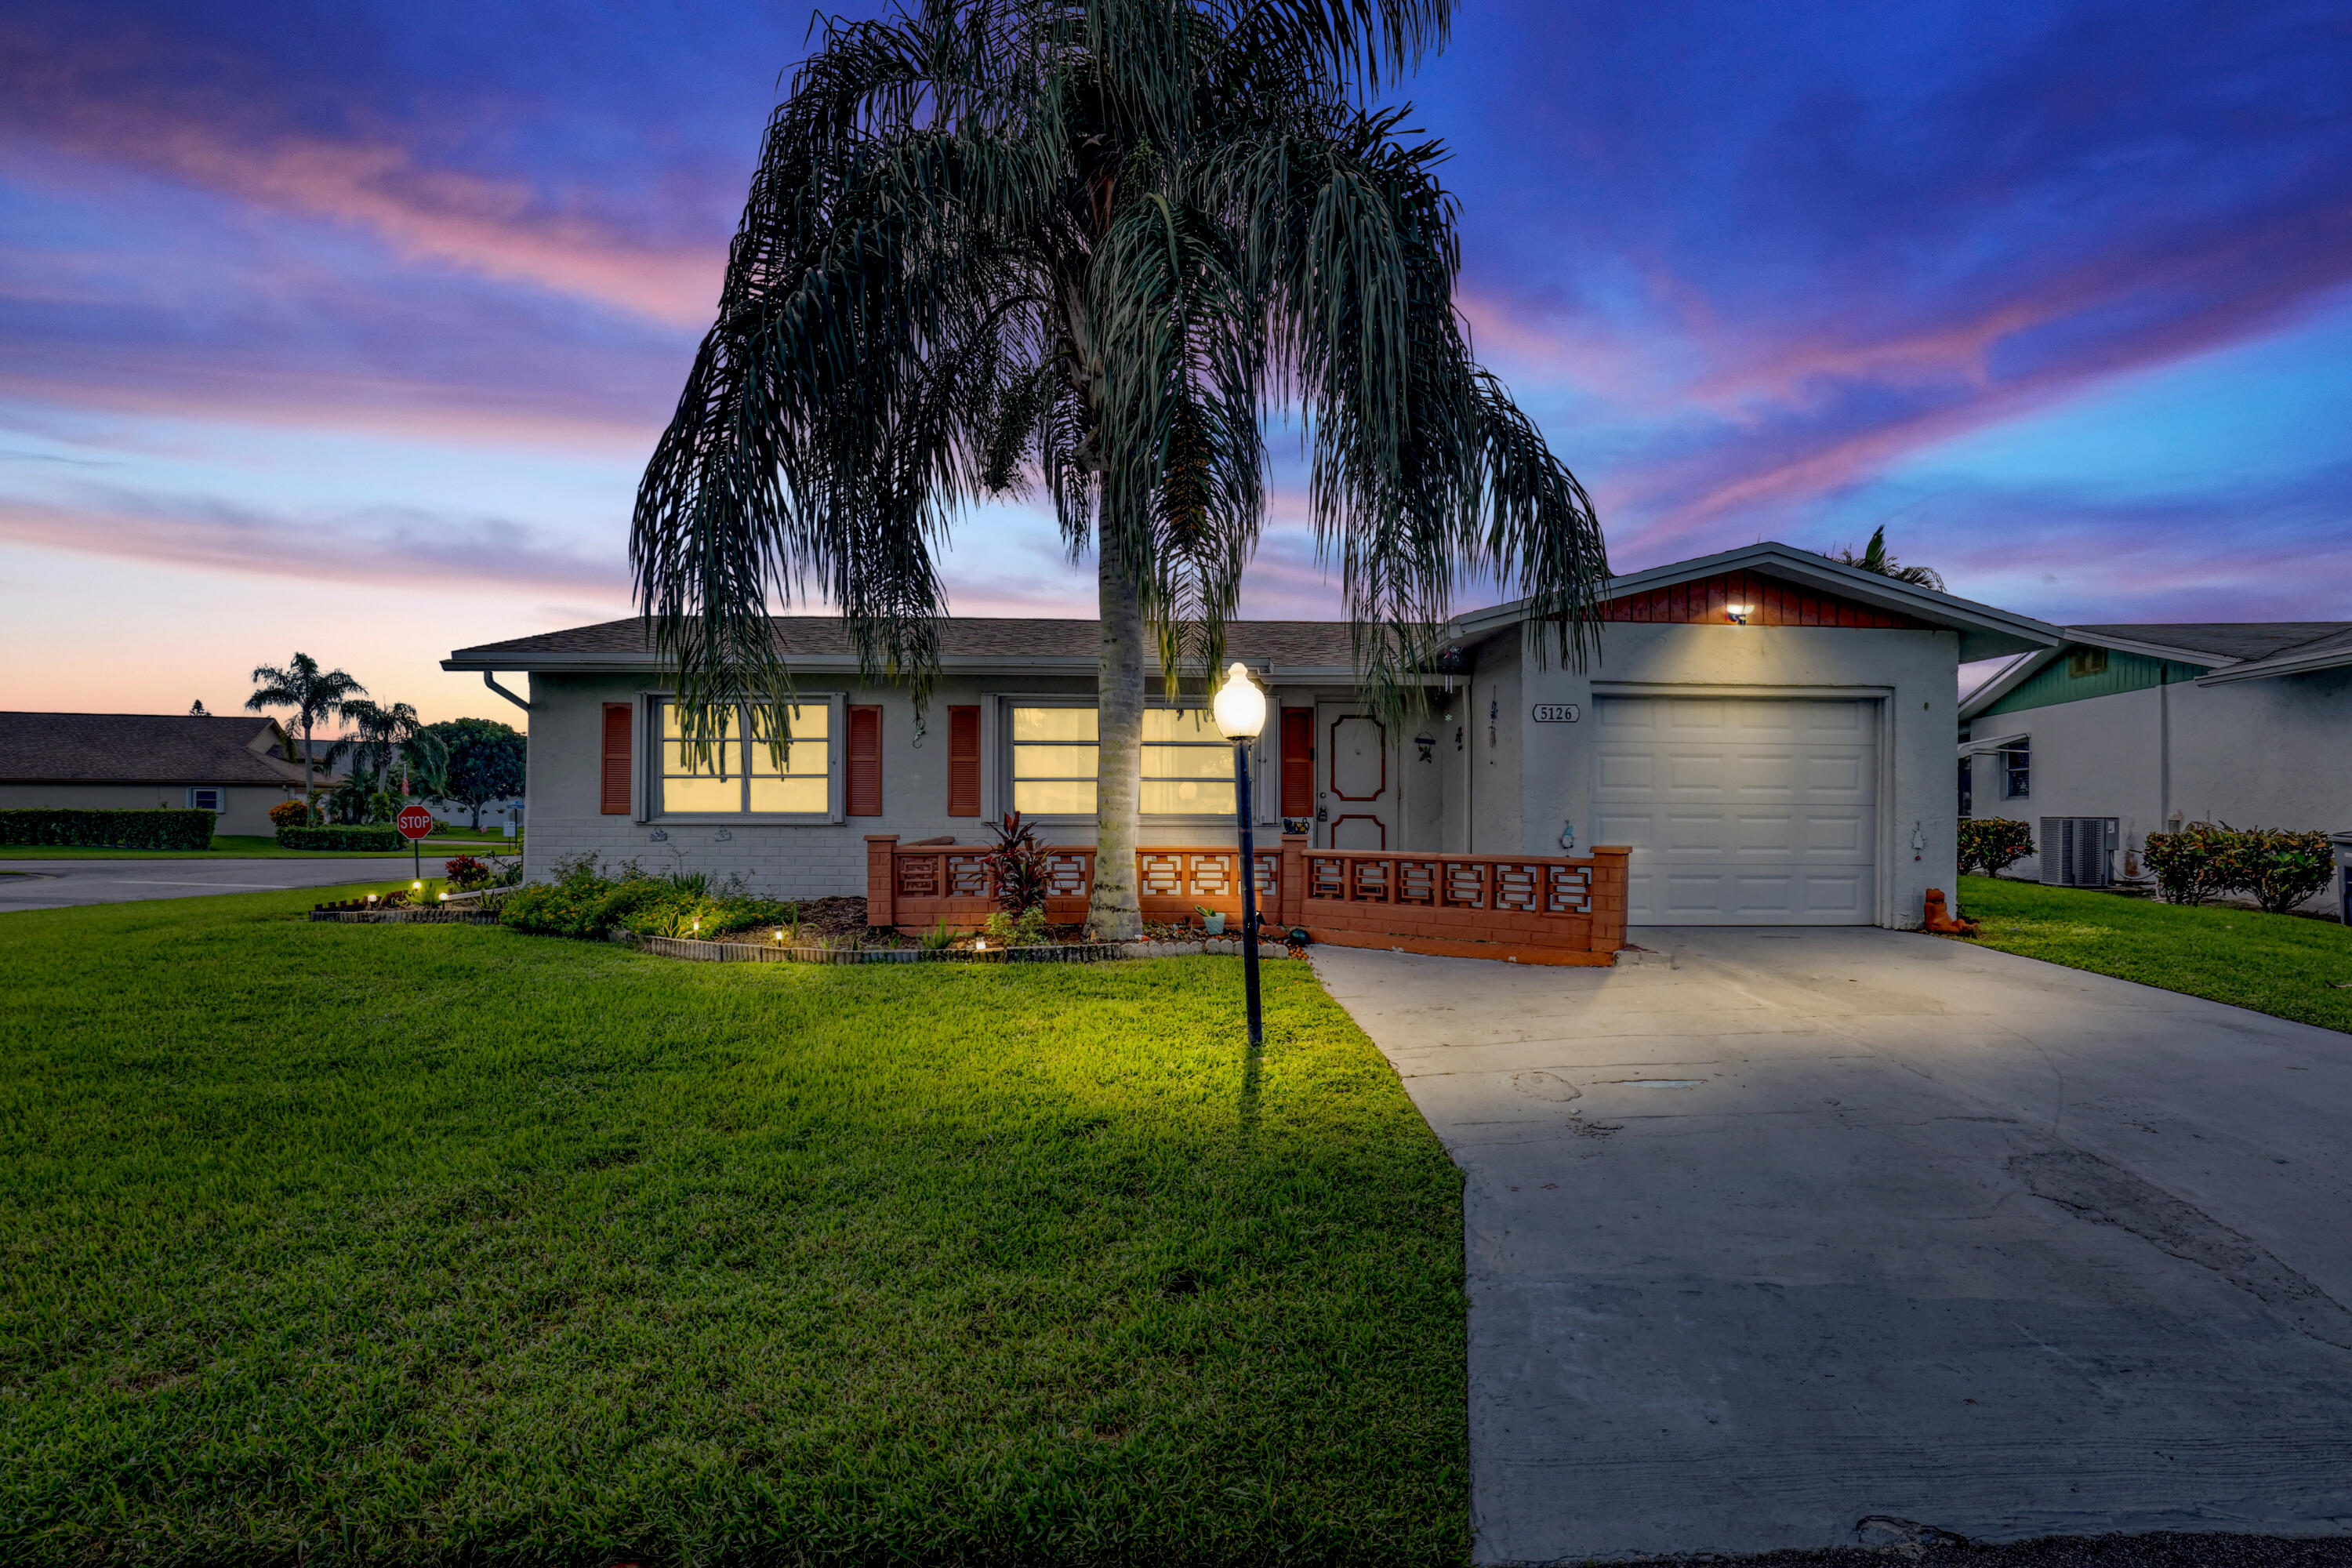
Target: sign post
[(414, 822)]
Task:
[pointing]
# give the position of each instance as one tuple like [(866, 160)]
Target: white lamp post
[(1240, 709)]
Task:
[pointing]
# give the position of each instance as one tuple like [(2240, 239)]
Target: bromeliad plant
[(1095, 242)]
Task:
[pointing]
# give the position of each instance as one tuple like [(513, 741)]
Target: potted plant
[(1211, 921)]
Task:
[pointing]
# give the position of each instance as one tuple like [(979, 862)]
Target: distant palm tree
[(1098, 242), (313, 694), (1873, 558), (386, 733)]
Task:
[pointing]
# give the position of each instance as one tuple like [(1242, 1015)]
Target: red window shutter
[(866, 761), (617, 716), (1298, 762), (963, 762)]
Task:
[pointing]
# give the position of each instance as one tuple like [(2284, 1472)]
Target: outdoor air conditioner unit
[(2079, 851)]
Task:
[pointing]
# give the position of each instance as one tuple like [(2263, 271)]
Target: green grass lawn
[(2281, 965), (252, 847), (441, 1243)]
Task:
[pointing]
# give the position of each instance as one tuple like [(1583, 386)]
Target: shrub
[(345, 840), (2191, 865), (466, 872), (167, 829), (1990, 845), (2278, 866), (291, 813), (1026, 929), (1017, 862), (583, 903)]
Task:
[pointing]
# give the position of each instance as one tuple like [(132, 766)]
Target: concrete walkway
[(61, 884), (1824, 1225)]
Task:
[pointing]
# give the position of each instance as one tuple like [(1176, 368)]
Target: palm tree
[(1873, 558), (1095, 242), (313, 694)]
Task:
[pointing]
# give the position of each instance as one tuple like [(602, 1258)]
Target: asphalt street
[(63, 884)]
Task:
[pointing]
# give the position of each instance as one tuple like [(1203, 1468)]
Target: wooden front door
[(1356, 779)]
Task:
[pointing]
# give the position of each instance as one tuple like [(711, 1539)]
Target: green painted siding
[(2125, 672)]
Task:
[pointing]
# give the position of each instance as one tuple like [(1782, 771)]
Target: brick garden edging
[(1048, 953), (407, 917)]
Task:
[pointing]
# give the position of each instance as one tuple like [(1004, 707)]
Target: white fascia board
[(2149, 649), (2263, 668), (838, 664), (2010, 679), (1984, 632)]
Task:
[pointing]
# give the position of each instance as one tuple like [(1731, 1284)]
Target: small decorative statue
[(1941, 921)]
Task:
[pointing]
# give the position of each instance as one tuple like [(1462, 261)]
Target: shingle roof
[(138, 748), (1316, 644), (2226, 640)]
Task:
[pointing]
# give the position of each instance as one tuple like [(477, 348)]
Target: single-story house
[(2244, 722), (1766, 730), (233, 765)]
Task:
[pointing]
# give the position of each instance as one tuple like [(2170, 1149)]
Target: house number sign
[(1558, 713)]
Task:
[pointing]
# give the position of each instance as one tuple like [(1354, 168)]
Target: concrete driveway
[(1825, 1225), (60, 884)]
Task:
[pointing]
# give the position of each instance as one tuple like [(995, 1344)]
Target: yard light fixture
[(1240, 709)]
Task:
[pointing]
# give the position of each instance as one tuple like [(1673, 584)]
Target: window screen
[(738, 777), (2017, 771), (1188, 767)]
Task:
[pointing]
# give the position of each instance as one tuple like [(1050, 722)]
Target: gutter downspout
[(2164, 748), (490, 680)]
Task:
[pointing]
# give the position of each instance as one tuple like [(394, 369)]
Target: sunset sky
[(349, 328)]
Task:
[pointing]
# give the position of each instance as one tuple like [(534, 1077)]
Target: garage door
[(1740, 811)]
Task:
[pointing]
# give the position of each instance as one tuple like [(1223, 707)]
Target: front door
[(1356, 775)]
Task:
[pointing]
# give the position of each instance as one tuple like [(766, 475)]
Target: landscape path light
[(1240, 711)]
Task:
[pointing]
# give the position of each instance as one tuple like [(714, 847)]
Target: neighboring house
[(1768, 730), (140, 762), (2244, 722)]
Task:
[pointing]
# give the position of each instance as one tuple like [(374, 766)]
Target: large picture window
[(1188, 767), (743, 777)]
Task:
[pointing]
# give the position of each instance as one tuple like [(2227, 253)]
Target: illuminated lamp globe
[(1240, 706)]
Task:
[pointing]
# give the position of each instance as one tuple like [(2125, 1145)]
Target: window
[(741, 776), (2017, 771), (1967, 785), (2083, 660), (205, 799), (1188, 767)]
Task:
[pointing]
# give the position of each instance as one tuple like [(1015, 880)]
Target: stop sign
[(415, 821)]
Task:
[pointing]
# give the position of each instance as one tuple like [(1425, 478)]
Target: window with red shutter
[(865, 759), (617, 717), (963, 762), (1298, 762)]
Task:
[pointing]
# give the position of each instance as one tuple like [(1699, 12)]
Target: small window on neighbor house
[(1967, 785), (205, 799), (2017, 771), (2081, 661)]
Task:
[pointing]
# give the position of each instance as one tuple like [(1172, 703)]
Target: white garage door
[(1740, 811)]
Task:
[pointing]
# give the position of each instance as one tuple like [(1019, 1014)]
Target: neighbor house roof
[(2227, 651), (822, 642), (141, 748), (1984, 632)]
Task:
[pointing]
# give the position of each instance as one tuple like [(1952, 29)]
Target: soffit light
[(1240, 706)]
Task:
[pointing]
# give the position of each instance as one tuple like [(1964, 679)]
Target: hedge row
[(170, 829), (346, 839)]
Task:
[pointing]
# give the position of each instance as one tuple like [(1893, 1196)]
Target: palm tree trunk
[(1115, 913)]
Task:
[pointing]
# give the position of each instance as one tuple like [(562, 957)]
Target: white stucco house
[(2244, 722), (1768, 732)]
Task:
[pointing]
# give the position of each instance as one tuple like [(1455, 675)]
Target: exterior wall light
[(1240, 709), (1738, 613)]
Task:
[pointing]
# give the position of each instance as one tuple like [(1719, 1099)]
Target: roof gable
[(1754, 599)]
